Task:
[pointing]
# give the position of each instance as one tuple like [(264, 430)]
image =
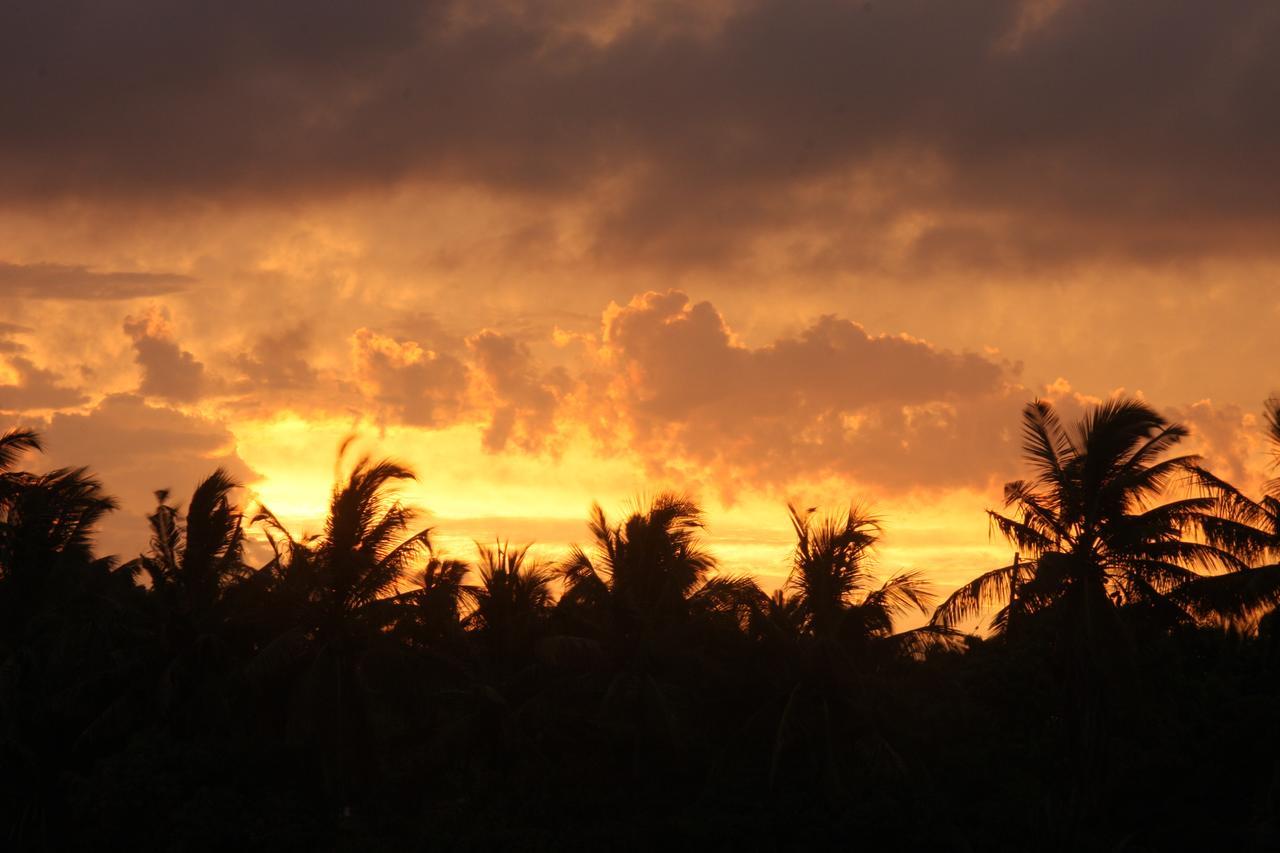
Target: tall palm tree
[(68, 637), (47, 527), (45, 515), (336, 601), (646, 602), (831, 580), (820, 630), (1107, 548), (1091, 525)]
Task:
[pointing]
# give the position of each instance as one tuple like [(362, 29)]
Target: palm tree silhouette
[(651, 572), (336, 601), (193, 559), (511, 602), (823, 627), (192, 564), (14, 443), (68, 636), (1104, 555), (47, 525), (647, 600), (1094, 535), (836, 594)]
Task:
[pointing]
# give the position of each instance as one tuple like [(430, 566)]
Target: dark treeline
[(360, 691)]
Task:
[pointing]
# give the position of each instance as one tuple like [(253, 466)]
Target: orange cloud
[(168, 371), (523, 399), (407, 382), (882, 410)]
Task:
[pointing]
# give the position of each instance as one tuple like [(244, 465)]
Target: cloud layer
[(75, 281), (998, 132)]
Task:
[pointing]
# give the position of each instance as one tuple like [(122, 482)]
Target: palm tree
[(1105, 551), (821, 628), (512, 601), (651, 573), (1090, 527), (49, 516), (435, 601), (193, 562), (356, 579), (68, 636), (648, 601), (47, 525), (193, 559), (337, 602), (831, 581)]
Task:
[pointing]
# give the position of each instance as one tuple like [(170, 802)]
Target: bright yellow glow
[(469, 495)]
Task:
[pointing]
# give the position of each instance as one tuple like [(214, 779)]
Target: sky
[(557, 252)]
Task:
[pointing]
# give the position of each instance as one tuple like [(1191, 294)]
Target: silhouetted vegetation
[(1116, 687)]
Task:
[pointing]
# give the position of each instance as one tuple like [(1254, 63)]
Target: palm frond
[(1022, 534), (971, 600), (902, 594), (1238, 595), (921, 642), (16, 442), (1045, 443)]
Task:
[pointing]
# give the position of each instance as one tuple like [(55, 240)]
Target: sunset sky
[(555, 252)]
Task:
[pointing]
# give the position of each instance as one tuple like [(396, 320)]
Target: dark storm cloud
[(71, 281), (1026, 130)]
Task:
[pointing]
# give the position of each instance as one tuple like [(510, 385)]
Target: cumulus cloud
[(936, 133), (1231, 439), (408, 382), (277, 361), (74, 281), (833, 400), (523, 399), (36, 388), (168, 371), (30, 386), (669, 383)]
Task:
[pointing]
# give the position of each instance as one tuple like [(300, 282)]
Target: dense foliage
[(359, 690)]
